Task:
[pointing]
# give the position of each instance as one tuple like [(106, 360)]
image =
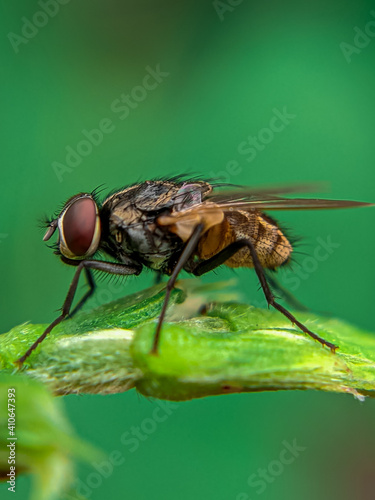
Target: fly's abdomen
[(272, 246)]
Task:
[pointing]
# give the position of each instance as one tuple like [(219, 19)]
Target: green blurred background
[(226, 66)]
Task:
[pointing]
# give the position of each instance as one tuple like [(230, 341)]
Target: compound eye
[(80, 228)]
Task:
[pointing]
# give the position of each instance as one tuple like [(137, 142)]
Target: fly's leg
[(233, 248), (90, 291), (106, 267), (184, 257), (283, 293)]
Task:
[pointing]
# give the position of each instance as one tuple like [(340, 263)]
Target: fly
[(174, 225)]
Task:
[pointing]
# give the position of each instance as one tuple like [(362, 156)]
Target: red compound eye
[(79, 224)]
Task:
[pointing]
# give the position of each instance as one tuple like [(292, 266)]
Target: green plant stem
[(233, 348)]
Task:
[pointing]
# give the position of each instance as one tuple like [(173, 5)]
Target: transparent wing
[(238, 193), (211, 210), (290, 204), (267, 198)]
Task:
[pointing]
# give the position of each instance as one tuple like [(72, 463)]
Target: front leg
[(90, 291), (107, 267), (187, 252)]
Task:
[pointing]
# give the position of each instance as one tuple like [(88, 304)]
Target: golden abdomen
[(271, 245)]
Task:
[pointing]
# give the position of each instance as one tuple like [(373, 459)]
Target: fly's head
[(79, 227)]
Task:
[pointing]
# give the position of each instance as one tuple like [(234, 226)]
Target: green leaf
[(233, 348), (44, 441)]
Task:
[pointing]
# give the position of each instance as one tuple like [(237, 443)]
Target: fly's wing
[(290, 204), (266, 198), (237, 193), (211, 213)]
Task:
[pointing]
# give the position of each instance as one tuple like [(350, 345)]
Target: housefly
[(177, 224)]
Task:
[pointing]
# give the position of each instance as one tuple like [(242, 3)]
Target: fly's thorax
[(160, 195), (135, 233), (131, 218)]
